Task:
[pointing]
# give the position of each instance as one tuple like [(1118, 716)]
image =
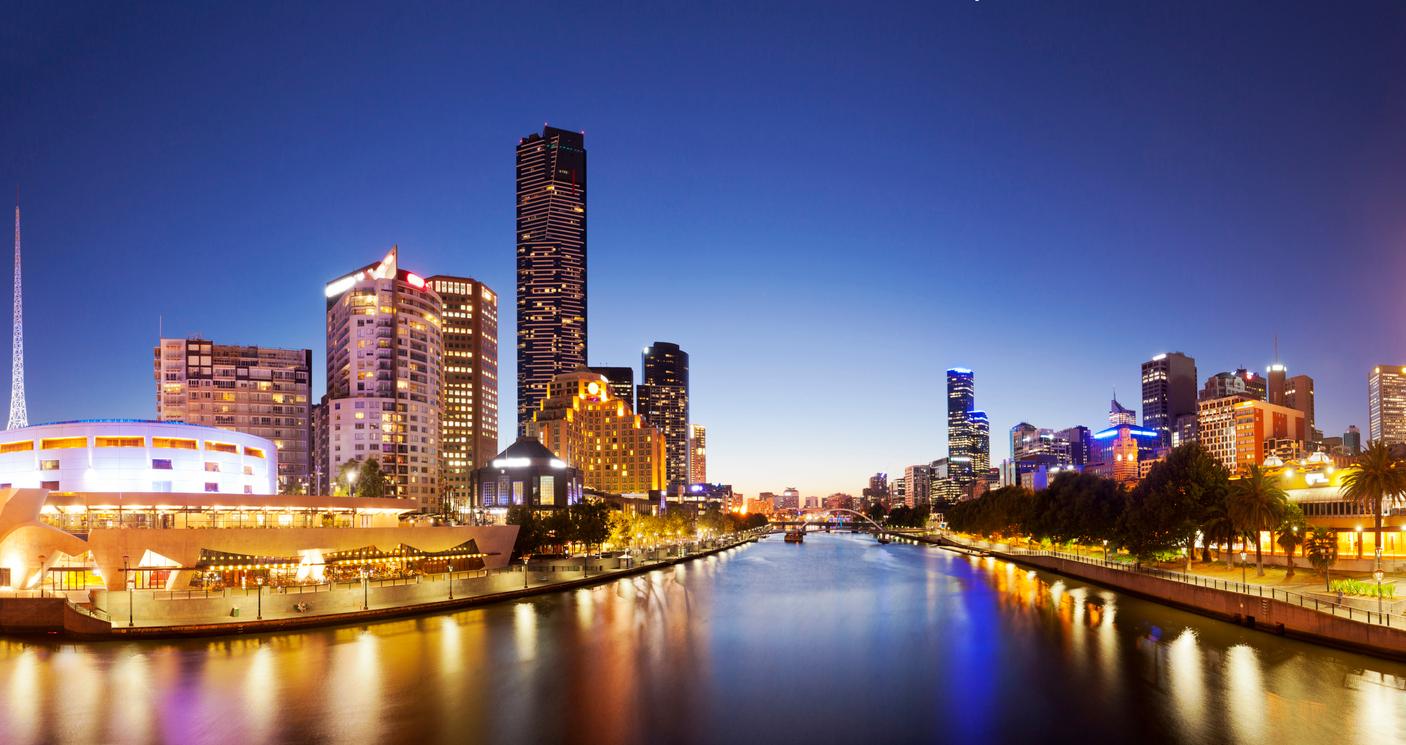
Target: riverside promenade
[(156, 613), (1258, 606)]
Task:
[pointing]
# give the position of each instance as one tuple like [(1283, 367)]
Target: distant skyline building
[(1080, 441), (622, 382), (1120, 414), (663, 401), (551, 263), (469, 424), (259, 391), (697, 454), (1352, 440), (385, 378), (1298, 394), (1168, 392), (1386, 404), (968, 431), (1276, 375)]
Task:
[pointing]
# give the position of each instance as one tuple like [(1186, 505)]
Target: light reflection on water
[(836, 640)]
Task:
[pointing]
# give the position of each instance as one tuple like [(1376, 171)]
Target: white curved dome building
[(133, 455)]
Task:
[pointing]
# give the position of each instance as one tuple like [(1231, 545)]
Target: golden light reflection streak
[(1107, 636), (354, 690), (1380, 717), (525, 631), (82, 692), (260, 695), (1187, 682), (131, 712), (1245, 681), (22, 701)]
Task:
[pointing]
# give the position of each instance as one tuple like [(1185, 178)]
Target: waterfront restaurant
[(61, 529), (1314, 483)]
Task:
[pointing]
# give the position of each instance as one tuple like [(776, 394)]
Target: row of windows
[(171, 443)]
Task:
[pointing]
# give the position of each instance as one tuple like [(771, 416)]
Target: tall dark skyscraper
[(968, 431), (663, 400), (622, 383), (551, 263), (1168, 392)]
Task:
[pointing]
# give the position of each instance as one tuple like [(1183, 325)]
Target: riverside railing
[(1248, 589)]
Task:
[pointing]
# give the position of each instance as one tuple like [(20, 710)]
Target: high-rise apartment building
[(469, 423), (551, 263), (697, 454), (255, 390), (1168, 392), (663, 401), (587, 427), (1215, 426), (385, 378), (622, 382), (1386, 404), (1298, 394)]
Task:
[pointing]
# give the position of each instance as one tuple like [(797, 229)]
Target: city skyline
[(455, 215)]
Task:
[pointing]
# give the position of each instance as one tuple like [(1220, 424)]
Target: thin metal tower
[(18, 416)]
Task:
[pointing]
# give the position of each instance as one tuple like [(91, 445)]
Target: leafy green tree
[(531, 532), (1290, 534), (345, 483), (591, 523), (1167, 509), (373, 481), (875, 512), (1321, 549), (1378, 480), (1255, 505)]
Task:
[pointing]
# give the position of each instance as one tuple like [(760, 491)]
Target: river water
[(838, 640)]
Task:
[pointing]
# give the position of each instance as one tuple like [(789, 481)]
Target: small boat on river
[(795, 536)]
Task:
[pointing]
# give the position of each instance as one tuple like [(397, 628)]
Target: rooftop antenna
[(18, 416)]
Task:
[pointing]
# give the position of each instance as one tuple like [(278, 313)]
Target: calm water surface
[(834, 641)]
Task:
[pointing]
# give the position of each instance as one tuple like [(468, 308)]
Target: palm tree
[(1256, 504), (1292, 532), (1376, 481), (1218, 530)]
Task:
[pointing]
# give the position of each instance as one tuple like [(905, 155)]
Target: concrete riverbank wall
[(1266, 614)]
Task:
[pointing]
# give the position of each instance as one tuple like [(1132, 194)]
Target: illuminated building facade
[(385, 378), (1121, 448), (663, 401), (697, 454), (121, 455), (1260, 423), (255, 390), (551, 263), (469, 422), (1168, 392), (1215, 426), (968, 432), (616, 450), (1386, 404)]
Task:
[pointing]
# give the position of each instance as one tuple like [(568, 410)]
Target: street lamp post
[(365, 586), (1105, 550), (1244, 559), (1378, 574), (524, 572), (351, 482), (260, 591), (449, 565)]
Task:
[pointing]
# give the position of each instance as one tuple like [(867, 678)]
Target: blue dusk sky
[(827, 205)]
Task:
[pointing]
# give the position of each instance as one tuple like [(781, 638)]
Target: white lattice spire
[(18, 416)]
